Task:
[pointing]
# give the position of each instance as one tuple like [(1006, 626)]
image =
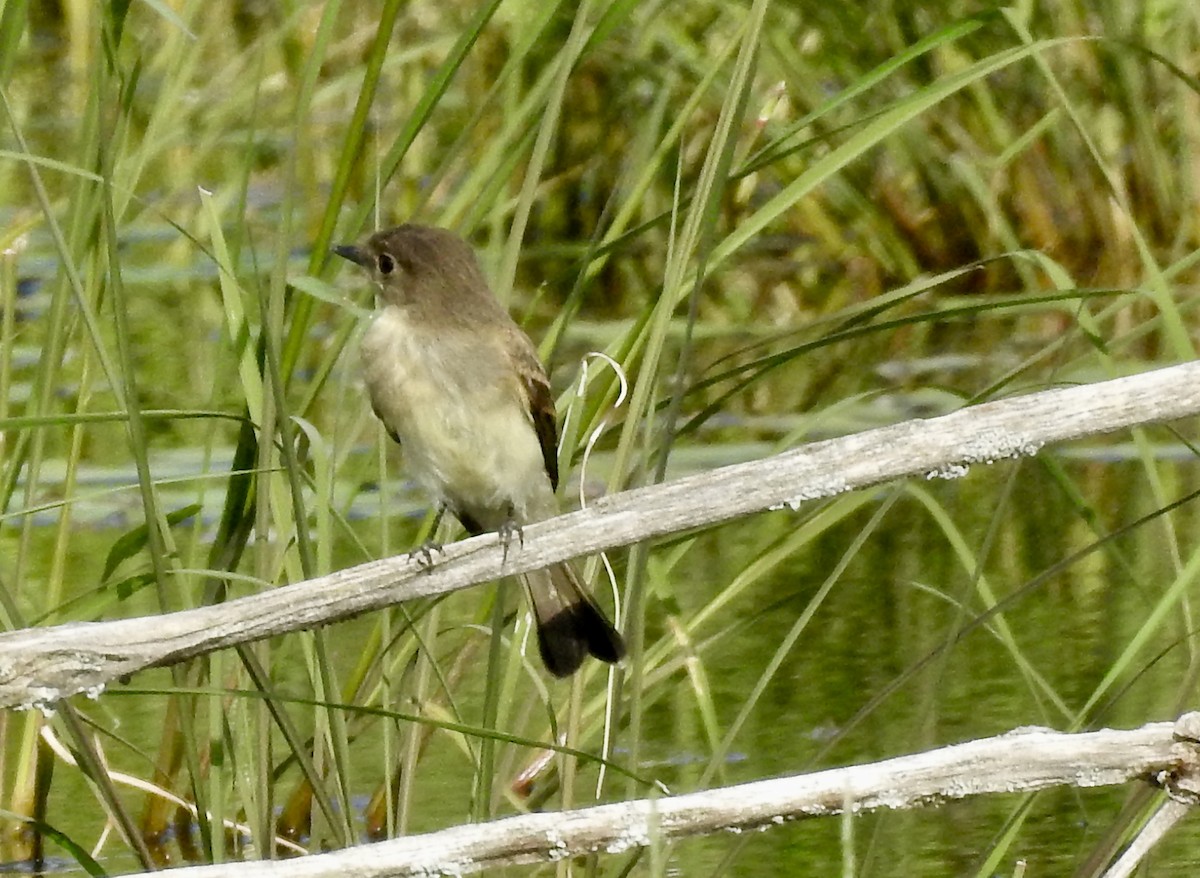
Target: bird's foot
[(423, 554), (507, 531)]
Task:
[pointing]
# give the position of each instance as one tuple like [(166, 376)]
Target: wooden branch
[(1020, 761), (42, 665)]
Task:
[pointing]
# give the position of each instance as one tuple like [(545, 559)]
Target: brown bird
[(460, 387)]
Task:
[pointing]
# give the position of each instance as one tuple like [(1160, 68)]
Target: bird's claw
[(423, 554), (507, 531)]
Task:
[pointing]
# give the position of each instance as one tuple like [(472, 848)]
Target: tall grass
[(782, 221)]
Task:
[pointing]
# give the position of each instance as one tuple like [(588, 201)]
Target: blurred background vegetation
[(783, 220)]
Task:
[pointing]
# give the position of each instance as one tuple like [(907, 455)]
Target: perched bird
[(458, 384)]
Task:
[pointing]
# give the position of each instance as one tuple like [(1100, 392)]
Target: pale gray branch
[(1020, 761), (39, 666), (1164, 819)]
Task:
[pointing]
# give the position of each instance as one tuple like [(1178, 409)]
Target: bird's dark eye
[(386, 264)]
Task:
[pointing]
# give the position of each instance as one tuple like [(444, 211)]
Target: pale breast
[(467, 435)]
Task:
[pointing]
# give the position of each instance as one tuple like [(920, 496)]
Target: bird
[(460, 387)]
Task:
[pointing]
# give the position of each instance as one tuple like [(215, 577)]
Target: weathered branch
[(1020, 761), (40, 666)]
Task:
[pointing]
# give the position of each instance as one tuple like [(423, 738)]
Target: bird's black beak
[(357, 255)]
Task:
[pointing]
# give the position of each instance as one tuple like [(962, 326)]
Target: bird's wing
[(536, 387)]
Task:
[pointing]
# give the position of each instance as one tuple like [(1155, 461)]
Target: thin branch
[(41, 666), (1168, 814), (1023, 760)]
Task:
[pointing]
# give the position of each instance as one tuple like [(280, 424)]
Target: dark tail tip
[(578, 631)]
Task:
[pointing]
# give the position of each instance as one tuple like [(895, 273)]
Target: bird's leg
[(423, 554), (508, 529)]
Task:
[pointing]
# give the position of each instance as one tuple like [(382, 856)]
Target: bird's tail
[(569, 624)]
